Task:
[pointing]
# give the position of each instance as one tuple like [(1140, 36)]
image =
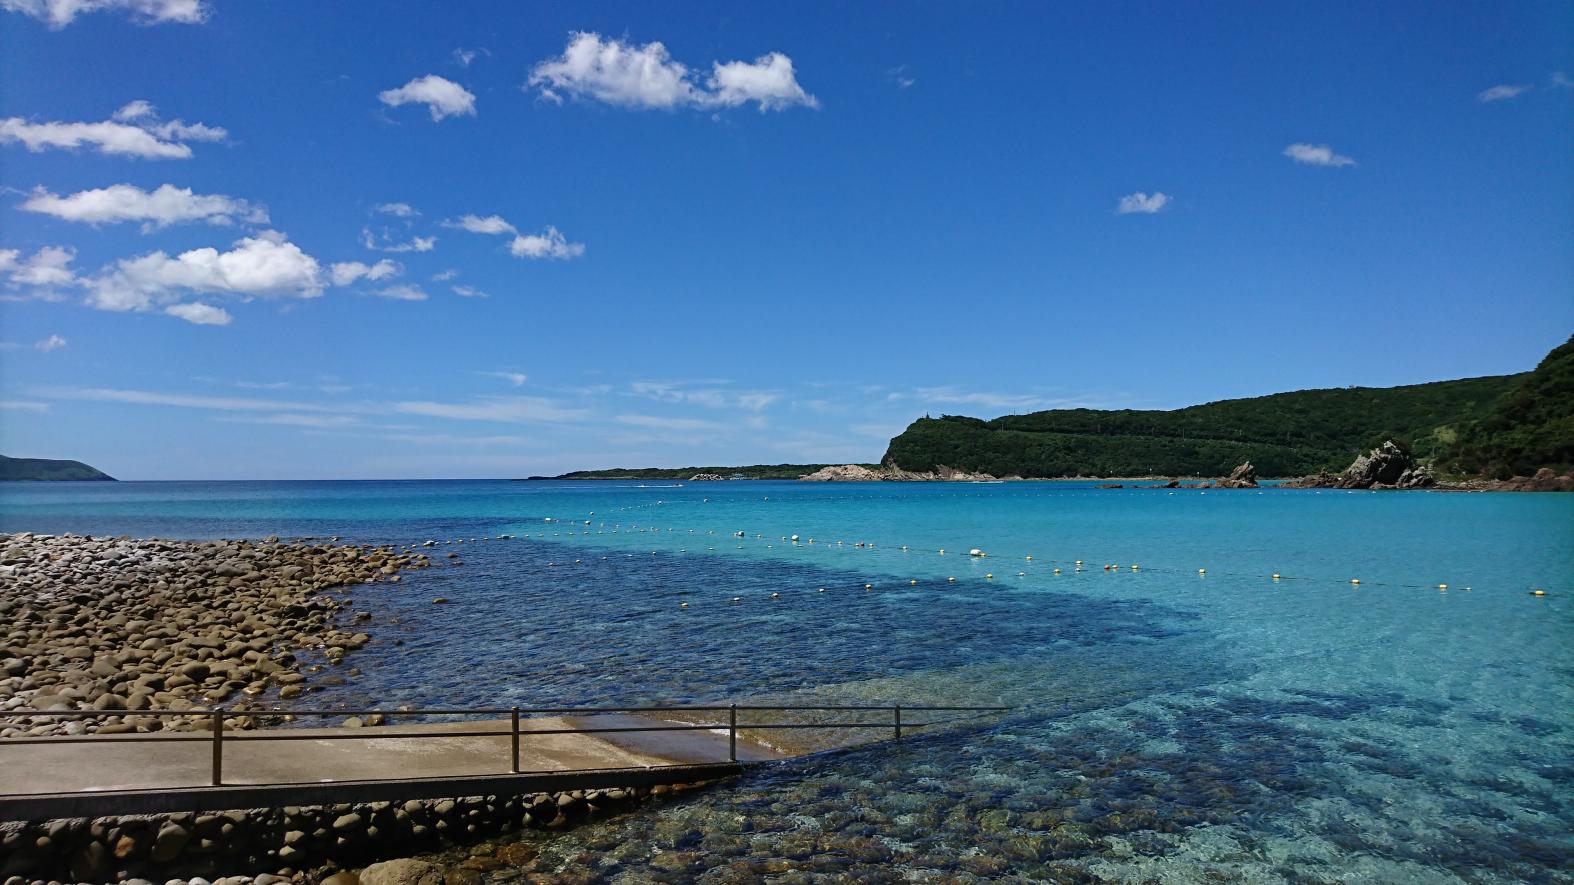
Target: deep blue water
[(1168, 725)]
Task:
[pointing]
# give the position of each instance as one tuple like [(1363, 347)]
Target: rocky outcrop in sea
[(1242, 477), (1386, 467)]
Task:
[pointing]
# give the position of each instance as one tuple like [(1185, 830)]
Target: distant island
[(696, 474), (48, 470)]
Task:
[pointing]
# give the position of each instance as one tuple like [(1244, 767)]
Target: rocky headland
[(1386, 467), (889, 472), (124, 626)]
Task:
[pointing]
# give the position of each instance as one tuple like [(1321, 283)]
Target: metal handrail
[(218, 715)]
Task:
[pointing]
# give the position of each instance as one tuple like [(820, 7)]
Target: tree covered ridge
[(1530, 427), (1519, 422)]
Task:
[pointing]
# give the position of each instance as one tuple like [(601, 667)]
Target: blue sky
[(291, 240)]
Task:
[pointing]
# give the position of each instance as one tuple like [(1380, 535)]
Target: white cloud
[(399, 210), (59, 13), (443, 98), (646, 77), (491, 224), (1500, 93), (1142, 204), (18, 405), (445, 276), (900, 77), (53, 342), (1561, 80), (469, 292), (384, 244), (1316, 155), (515, 409), (159, 208), (135, 131), (344, 273), (266, 265), (465, 56), (517, 379), (47, 267), (768, 80), (401, 293), (550, 243), (199, 313)]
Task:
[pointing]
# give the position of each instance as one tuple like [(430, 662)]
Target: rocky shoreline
[(273, 846), (123, 626)]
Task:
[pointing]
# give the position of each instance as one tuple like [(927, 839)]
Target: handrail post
[(516, 740), (897, 710), (732, 733), (218, 747)]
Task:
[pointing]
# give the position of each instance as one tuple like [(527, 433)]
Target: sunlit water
[(1167, 725)]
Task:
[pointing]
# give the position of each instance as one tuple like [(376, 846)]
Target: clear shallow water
[(1168, 725)]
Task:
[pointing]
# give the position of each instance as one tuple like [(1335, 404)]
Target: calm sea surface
[(1168, 725)]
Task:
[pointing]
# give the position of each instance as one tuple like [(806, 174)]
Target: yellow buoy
[(1030, 559), (1079, 562), (737, 599), (1442, 586), (950, 580), (942, 551), (1202, 571), (990, 576), (1021, 574), (868, 586), (1355, 580), (1134, 568), (1057, 571), (1276, 576), (1538, 593), (913, 583), (904, 548), (683, 605), (822, 589), (776, 596)]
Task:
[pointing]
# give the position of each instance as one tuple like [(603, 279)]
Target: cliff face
[(45, 469)]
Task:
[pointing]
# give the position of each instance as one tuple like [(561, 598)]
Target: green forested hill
[(1530, 427), (46, 469), (1285, 434)]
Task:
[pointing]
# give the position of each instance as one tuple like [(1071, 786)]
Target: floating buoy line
[(590, 528)]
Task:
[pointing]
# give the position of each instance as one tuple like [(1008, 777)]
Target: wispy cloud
[(952, 395), (1141, 203), (21, 405), (659, 422), (515, 410), (134, 131), (52, 343), (59, 13), (397, 210), (1317, 155), (1501, 92), (517, 379), (321, 422), (703, 393)]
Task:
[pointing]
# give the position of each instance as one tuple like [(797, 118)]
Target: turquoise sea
[(1169, 724)]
